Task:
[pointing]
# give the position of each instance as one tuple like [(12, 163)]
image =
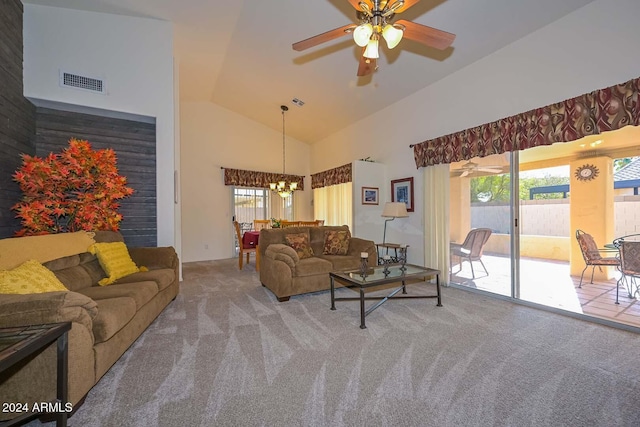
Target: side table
[(394, 258), (19, 342)]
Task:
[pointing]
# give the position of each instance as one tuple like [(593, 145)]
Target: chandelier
[(282, 187)]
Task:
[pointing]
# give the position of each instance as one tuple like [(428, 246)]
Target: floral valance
[(334, 176), (243, 178), (589, 114)]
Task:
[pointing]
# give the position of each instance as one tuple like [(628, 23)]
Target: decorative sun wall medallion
[(586, 172)]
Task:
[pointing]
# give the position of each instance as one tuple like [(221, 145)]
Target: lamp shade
[(395, 210), (372, 49), (392, 36), (362, 34)]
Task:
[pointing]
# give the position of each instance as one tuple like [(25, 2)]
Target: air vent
[(82, 82)]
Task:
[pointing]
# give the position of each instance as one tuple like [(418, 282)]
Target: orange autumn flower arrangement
[(77, 189)]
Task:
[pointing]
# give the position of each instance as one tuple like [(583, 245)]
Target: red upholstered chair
[(592, 255), (243, 249)]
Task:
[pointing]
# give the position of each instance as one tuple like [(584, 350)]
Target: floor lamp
[(393, 210)]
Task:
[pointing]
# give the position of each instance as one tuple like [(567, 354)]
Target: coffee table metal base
[(364, 312)]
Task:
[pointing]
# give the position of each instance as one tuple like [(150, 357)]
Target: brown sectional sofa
[(106, 320), (285, 274)]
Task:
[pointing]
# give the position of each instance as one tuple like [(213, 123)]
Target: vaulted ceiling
[(237, 54)]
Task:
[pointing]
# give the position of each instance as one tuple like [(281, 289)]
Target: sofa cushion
[(77, 271), (341, 262), (336, 242), (300, 243), (312, 266), (140, 292), (113, 315), (115, 261), (63, 263), (163, 277), (30, 277)]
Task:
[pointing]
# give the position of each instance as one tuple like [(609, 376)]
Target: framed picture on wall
[(402, 191), (370, 196)]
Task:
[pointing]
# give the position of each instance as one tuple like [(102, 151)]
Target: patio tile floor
[(548, 282)]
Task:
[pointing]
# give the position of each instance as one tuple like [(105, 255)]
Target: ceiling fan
[(375, 19), (471, 167)]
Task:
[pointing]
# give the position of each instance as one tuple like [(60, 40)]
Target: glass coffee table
[(377, 276)]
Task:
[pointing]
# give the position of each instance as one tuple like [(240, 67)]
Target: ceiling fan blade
[(366, 66), (407, 5), (427, 35), (322, 38), (465, 173), (356, 4), (490, 170)]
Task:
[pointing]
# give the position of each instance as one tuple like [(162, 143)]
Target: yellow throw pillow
[(29, 278), (115, 261)]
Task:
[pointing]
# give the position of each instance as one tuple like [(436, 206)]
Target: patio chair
[(471, 248), (629, 248), (592, 255), (243, 249)]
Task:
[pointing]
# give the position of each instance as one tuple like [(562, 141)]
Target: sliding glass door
[(481, 221), (533, 202)]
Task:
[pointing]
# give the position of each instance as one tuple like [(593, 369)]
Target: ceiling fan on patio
[(471, 167), (375, 21)]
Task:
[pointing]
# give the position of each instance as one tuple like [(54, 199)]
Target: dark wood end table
[(17, 343)]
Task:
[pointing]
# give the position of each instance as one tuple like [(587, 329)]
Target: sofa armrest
[(49, 307), (151, 257), (358, 245), (283, 253)]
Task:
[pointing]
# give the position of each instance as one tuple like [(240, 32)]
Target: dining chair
[(592, 255), (308, 223), (259, 224), (243, 249), (285, 224), (471, 249)]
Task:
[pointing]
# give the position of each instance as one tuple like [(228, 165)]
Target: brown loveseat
[(285, 274), (106, 320)]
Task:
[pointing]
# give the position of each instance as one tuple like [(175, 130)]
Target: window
[(250, 204), (260, 203)]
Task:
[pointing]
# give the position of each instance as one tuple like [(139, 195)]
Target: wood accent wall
[(27, 130), (135, 145), (17, 114)]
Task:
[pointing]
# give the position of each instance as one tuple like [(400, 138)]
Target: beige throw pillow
[(300, 243), (336, 242)]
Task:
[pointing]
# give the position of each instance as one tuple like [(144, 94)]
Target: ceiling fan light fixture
[(392, 35), (362, 34), (392, 9), (371, 51)]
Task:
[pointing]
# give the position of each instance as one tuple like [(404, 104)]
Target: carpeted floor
[(226, 353)]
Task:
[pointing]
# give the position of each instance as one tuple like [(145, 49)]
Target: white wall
[(591, 48), (367, 222), (213, 137), (134, 55)]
